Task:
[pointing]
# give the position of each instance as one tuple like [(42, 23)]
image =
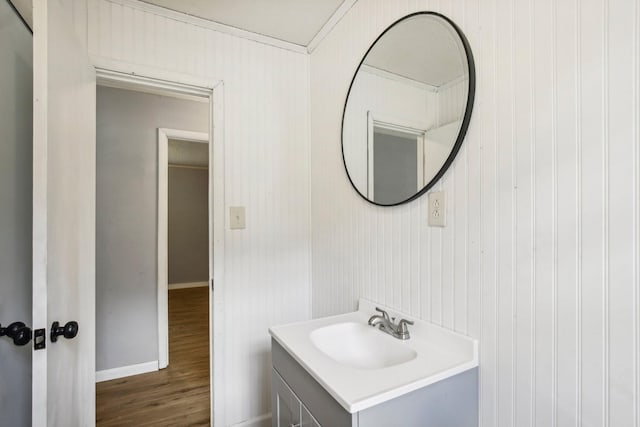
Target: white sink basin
[(360, 346), (361, 366)]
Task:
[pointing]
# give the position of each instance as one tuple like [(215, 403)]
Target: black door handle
[(69, 330), (18, 331)]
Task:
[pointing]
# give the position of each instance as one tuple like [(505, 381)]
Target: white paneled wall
[(540, 257), (452, 100), (266, 105)]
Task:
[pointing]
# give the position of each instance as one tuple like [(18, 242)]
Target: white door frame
[(164, 135), (128, 76)]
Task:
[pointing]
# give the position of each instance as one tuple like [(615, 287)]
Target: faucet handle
[(403, 331), (385, 315)]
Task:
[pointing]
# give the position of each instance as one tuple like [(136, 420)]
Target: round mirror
[(408, 109)]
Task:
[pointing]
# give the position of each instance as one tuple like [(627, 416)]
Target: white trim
[(398, 78), (402, 125), (214, 90), (164, 135), (261, 421), (309, 195), (147, 79), (188, 285), (151, 90), (406, 80), (211, 25), (40, 207), (330, 24), (421, 159), (126, 371), (183, 135), (453, 82), (217, 255), (370, 176)]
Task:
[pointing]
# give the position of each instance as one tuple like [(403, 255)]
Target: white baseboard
[(188, 285), (126, 371), (261, 421)]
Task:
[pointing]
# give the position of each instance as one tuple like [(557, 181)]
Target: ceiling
[(423, 48), (25, 9), (294, 21)]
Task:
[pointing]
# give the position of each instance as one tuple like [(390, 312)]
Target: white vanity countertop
[(440, 354)]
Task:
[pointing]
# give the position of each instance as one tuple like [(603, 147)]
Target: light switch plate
[(436, 209), (236, 218)]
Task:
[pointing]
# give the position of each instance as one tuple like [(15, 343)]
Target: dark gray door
[(16, 104)]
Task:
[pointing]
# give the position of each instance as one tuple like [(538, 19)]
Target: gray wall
[(395, 168), (16, 100), (188, 225), (126, 219)]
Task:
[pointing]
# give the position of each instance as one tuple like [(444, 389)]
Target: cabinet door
[(287, 405), (307, 418)]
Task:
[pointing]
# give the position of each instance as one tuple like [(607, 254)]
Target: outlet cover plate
[(436, 209)]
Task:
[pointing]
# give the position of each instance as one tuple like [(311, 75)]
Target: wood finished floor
[(177, 395)]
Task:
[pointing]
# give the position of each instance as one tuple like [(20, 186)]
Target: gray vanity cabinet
[(286, 405), (299, 400), (288, 411), (307, 418)]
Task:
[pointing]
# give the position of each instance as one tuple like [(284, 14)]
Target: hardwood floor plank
[(177, 395)]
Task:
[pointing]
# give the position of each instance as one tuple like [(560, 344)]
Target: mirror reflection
[(407, 109)]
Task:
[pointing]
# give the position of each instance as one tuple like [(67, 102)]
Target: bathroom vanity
[(339, 371)]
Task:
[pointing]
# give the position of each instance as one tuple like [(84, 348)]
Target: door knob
[(18, 331), (69, 330)]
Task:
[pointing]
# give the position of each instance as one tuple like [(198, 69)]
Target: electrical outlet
[(236, 218), (436, 209)]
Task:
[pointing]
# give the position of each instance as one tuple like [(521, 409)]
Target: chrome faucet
[(382, 321), (385, 324)]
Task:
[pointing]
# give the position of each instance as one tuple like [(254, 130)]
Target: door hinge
[(39, 339), (211, 285)]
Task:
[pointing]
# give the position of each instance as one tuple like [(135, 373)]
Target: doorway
[(183, 171), (177, 394), (63, 277), (128, 169)]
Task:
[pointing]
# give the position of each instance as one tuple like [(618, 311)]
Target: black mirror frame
[(465, 121)]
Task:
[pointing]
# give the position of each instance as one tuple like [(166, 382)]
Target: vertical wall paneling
[(266, 130), (504, 215), (566, 224), (620, 209), (543, 211), (578, 220), (592, 57), (539, 259), (606, 349), (636, 192)]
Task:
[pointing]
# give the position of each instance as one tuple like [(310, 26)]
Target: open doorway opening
[(187, 208), (136, 382), (183, 227)]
